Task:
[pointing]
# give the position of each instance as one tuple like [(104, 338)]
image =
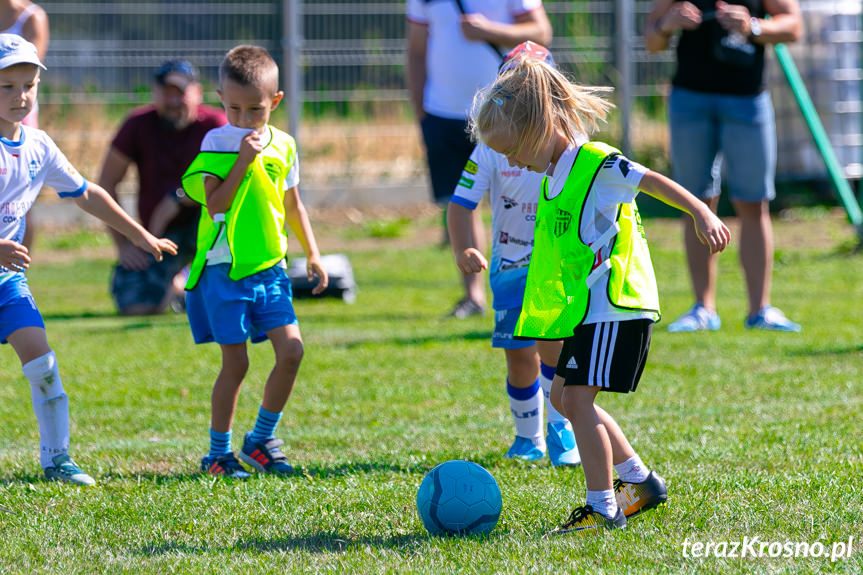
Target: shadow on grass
[(313, 542), (419, 339), (825, 352)]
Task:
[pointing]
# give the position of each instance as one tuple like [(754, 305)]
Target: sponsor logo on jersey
[(510, 173), (471, 167), (505, 238), (508, 202), (506, 265), (34, 169), (465, 182)]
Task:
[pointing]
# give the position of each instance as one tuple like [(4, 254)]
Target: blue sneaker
[(772, 319), (525, 449), (67, 471), (562, 449), (225, 465), (698, 318), (265, 456)]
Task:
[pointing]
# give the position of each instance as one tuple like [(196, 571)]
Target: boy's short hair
[(250, 66)]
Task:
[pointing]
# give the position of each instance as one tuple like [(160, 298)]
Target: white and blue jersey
[(25, 166), (514, 194)]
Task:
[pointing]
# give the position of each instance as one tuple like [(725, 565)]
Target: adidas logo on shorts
[(571, 364)]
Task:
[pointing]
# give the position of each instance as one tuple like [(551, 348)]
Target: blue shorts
[(17, 307), (227, 311), (708, 130), (448, 148), (504, 327)]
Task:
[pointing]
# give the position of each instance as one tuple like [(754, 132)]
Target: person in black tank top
[(720, 113)]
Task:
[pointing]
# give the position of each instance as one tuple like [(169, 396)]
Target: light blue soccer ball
[(459, 498)]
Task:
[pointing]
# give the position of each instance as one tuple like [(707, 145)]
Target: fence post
[(292, 43), (624, 20)]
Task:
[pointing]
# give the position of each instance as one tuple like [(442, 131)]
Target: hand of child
[(314, 268), (156, 246), (474, 26), (14, 256), (249, 147), (471, 261), (711, 231)]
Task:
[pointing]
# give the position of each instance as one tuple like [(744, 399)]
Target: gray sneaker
[(66, 470), (466, 308)]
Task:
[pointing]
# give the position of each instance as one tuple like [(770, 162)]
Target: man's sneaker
[(225, 465), (562, 449), (525, 450), (466, 308), (586, 520), (772, 319), (635, 498), (698, 318), (265, 456), (67, 471)]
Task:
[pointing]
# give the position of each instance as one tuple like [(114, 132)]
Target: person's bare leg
[(702, 264), (756, 251)]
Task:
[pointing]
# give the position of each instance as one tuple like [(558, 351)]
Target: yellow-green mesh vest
[(255, 222), (557, 295)]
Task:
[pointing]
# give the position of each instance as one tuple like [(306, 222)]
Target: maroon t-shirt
[(162, 154)]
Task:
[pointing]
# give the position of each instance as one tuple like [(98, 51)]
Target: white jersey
[(25, 166), (513, 193), (455, 66), (228, 138), (616, 183)]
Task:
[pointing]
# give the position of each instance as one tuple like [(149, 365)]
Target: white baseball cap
[(16, 50)]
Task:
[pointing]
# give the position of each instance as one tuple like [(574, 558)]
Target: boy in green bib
[(590, 279), (246, 180)]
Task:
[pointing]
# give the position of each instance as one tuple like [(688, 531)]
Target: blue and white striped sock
[(220, 442), (265, 425)]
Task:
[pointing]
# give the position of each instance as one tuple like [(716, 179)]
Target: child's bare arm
[(458, 222), (297, 219), (220, 193), (96, 201), (709, 228)]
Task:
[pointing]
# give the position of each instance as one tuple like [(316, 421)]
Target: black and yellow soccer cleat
[(634, 498), (586, 520)]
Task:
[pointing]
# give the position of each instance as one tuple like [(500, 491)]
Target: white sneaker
[(698, 318)]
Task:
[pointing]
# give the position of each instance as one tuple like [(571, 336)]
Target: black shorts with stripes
[(608, 355)]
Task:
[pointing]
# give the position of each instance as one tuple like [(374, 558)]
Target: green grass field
[(757, 434)]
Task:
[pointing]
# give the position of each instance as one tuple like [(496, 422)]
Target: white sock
[(603, 502), (526, 407), (546, 375), (51, 405), (632, 470)]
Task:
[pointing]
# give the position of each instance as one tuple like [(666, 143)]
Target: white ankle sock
[(526, 407), (632, 470), (603, 502)]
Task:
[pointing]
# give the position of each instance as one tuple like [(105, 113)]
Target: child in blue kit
[(590, 280), (246, 178), (513, 193), (30, 159)]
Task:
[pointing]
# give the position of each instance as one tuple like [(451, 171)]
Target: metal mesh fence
[(356, 128)]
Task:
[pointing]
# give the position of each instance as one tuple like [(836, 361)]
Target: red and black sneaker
[(225, 465), (265, 456), (635, 498)]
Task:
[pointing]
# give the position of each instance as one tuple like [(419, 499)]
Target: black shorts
[(448, 148), (608, 355)]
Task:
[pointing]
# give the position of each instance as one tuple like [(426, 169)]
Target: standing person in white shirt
[(29, 159), (514, 194), (454, 48)]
